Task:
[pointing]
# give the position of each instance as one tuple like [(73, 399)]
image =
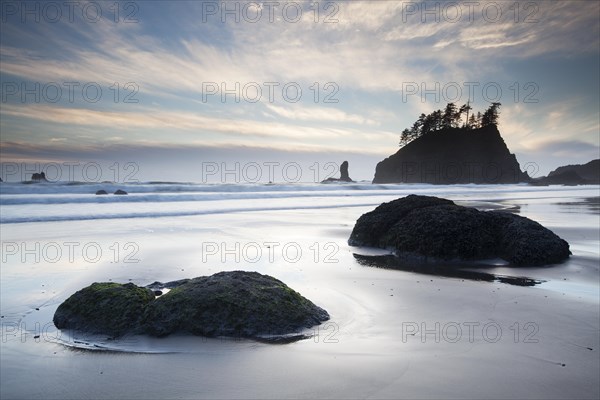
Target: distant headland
[(579, 174)]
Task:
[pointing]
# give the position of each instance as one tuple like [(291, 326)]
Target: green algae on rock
[(236, 303), (104, 308)]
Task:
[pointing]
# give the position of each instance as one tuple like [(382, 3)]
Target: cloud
[(319, 114), (575, 149), (197, 127), (529, 127), (372, 47)]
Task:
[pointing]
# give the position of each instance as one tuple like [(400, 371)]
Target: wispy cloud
[(319, 114), (197, 126)]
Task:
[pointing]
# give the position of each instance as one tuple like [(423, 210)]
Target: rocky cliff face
[(450, 156)]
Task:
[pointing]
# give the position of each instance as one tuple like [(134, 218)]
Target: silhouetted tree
[(421, 122), (404, 137), (464, 109), (437, 120), (490, 116), (415, 130), (427, 125), (472, 122), (449, 116), (479, 117)]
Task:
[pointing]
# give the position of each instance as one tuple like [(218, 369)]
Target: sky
[(247, 91)]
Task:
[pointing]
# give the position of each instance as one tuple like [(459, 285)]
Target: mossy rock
[(104, 308), (238, 303), (235, 304)]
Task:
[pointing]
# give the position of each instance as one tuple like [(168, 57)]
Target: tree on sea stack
[(491, 115), (440, 148), (465, 109), (404, 137), (473, 124), (450, 118), (450, 115)]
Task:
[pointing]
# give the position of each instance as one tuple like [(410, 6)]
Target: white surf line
[(22, 220)]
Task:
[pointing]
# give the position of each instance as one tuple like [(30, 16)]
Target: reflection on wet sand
[(592, 204), (445, 270)]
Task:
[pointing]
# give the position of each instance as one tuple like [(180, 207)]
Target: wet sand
[(393, 333)]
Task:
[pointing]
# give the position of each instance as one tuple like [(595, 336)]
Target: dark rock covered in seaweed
[(238, 303), (429, 227), (104, 308), (244, 304)]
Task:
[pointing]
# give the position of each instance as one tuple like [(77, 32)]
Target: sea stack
[(39, 177), (344, 176), (453, 155)]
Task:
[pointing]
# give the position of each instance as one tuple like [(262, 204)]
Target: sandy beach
[(392, 334)]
